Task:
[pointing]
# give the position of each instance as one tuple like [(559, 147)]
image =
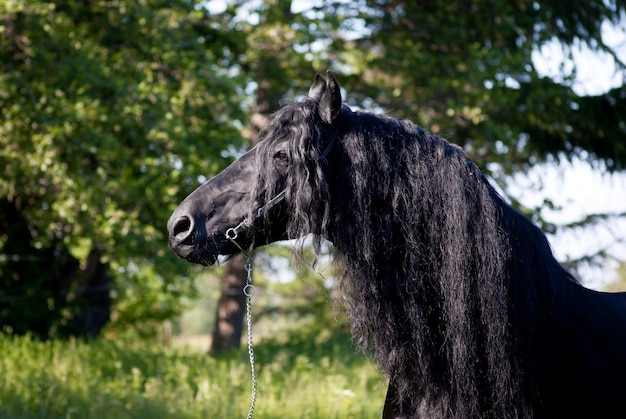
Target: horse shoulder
[(590, 354)]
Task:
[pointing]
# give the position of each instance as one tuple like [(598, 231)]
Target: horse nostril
[(182, 228)]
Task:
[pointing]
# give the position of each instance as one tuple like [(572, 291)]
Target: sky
[(595, 72)]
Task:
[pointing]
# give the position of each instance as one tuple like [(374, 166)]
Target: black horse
[(456, 294)]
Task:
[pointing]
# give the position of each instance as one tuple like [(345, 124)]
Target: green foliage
[(110, 113), (146, 300), (465, 70), (315, 376)]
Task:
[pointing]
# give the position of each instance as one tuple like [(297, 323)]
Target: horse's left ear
[(317, 88), (330, 101)]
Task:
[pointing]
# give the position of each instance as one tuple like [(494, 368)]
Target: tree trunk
[(230, 307), (270, 76)]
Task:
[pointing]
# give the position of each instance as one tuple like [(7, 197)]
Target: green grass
[(307, 375)]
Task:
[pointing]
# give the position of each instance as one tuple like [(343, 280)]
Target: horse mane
[(438, 279)]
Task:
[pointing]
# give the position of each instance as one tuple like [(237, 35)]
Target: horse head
[(245, 205)]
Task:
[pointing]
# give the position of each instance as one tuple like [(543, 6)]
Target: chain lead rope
[(249, 291)]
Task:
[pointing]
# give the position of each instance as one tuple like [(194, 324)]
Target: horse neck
[(541, 290)]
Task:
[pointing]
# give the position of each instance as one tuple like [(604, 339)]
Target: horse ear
[(330, 102), (317, 88)]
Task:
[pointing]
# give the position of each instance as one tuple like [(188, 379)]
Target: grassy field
[(314, 375)]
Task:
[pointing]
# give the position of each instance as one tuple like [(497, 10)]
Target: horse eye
[(281, 156)]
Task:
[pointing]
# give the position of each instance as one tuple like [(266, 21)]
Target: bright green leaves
[(110, 113)]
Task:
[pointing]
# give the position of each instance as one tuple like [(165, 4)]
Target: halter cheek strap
[(233, 232)]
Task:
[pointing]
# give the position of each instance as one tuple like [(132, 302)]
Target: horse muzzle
[(188, 240)]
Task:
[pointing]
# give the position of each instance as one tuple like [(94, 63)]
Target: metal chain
[(248, 291)]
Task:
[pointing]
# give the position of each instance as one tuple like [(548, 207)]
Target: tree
[(465, 70), (110, 112)]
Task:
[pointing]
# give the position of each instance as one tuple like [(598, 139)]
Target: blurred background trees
[(112, 111)]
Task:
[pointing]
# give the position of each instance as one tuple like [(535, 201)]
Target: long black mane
[(436, 263)]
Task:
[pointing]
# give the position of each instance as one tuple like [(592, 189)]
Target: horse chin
[(207, 253), (203, 257)]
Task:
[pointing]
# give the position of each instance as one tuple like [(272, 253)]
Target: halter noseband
[(232, 233)]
